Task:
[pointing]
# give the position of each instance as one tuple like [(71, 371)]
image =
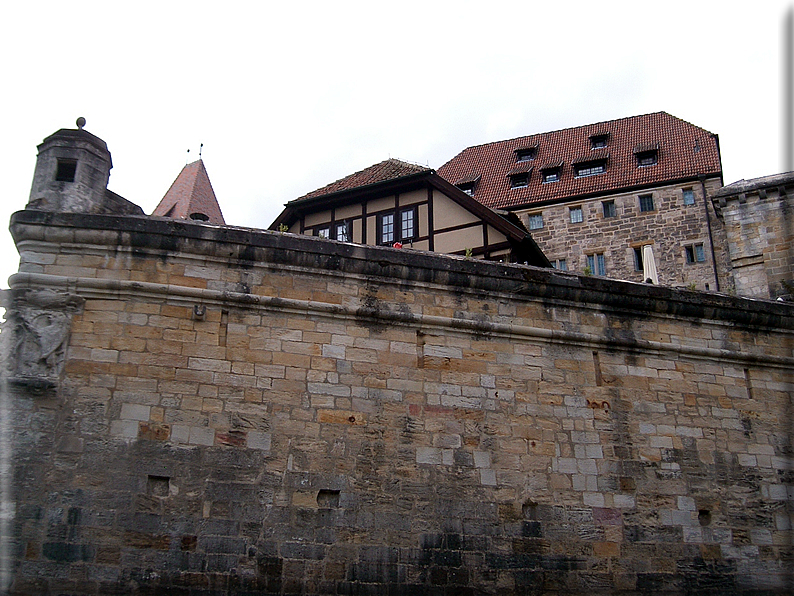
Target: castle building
[(609, 197), (200, 409)]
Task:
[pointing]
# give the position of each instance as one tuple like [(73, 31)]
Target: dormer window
[(599, 141), (519, 180), (468, 188), (67, 169), (551, 174), (199, 216), (468, 183), (590, 168), (647, 154), (526, 154), (647, 158)]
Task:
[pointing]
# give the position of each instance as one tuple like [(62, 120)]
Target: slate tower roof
[(191, 197)]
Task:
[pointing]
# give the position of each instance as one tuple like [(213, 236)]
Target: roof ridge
[(548, 132)]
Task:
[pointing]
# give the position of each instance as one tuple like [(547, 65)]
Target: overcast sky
[(287, 97)]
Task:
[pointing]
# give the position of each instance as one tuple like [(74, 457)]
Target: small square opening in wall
[(328, 499), (67, 169), (158, 486)]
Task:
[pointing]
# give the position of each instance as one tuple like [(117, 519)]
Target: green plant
[(587, 270), (468, 254), (283, 227), (692, 287)]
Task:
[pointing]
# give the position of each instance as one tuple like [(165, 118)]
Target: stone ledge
[(246, 248)]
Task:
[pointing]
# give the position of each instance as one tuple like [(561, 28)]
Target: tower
[(72, 172)]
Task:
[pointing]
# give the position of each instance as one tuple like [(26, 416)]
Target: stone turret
[(72, 173)]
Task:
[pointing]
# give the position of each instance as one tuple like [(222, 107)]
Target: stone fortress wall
[(216, 410)]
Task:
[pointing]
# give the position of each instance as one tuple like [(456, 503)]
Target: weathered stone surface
[(443, 426)]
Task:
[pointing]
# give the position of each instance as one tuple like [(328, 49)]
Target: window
[(646, 203), (694, 253), (561, 264), (407, 224), (609, 208), (551, 175), (323, 232), (468, 188), (67, 168), (536, 221), (527, 154), (519, 180), (647, 158), (590, 168), (598, 141), (386, 228), (638, 266), (689, 196), (343, 231), (597, 264), (389, 232), (576, 215)]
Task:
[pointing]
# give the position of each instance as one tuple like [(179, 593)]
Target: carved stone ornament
[(35, 335)]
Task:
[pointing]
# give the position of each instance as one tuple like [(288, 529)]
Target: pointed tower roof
[(191, 197)]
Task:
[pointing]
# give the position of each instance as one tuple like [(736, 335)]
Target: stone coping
[(246, 248)]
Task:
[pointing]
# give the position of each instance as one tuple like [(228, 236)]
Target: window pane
[(343, 232), (407, 224), (689, 196), (689, 251), (646, 202), (387, 228), (609, 208), (536, 221), (638, 259), (576, 215), (324, 232), (601, 265), (562, 265), (699, 254)]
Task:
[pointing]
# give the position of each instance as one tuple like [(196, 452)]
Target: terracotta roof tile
[(685, 151), (390, 169), (191, 193)]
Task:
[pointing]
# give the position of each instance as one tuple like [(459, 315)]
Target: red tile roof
[(390, 169), (685, 151), (191, 193)]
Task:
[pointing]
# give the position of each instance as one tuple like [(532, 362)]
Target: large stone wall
[(203, 410)]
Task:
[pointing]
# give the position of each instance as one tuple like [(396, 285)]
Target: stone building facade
[(199, 409), (758, 216), (595, 196)]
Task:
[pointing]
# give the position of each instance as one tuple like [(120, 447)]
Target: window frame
[(467, 188), (590, 168), (646, 197), (572, 210), (550, 175), (611, 212), (414, 224), (560, 264), (688, 192), (526, 154), (597, 263), (537, 217), (347, 227), (648, 158), (323, 232), (397, 225), (695, 253), (519, 180), (599, 141), (639, 264)]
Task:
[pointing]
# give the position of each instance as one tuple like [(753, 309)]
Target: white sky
[(287, 97)]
